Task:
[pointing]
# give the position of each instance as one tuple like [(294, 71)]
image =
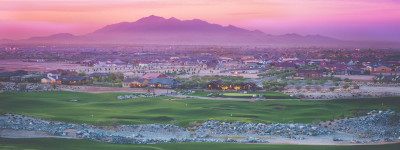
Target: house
[(355, 71), (6, 76), (98, 75), (163, 83), (224, 59), (216, 84), (380, 68), (65, 79), (351, 63), (318, 61), (306, 74), (20, 72), (50, 79), (285, 65), (27, 78), (150, 76), (135, 82), (210, 65), (71, 80), (205, 60)]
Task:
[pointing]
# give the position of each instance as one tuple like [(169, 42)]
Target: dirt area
[(17, 64), (96, 89), (356, 77)]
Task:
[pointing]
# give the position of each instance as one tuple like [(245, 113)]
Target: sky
[(342, 19)]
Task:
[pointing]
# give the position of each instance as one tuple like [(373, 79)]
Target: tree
[(121, 76), (332, 88), (308, 88), (238, 83), (226, 85), (318, 88), (375, 80), (274, 85), (81, 74), (112, 76), (202, 84), (22, 87), (298, 87), (188, 84), (309, 82), (323, 81), (346, 86), (347, 80)]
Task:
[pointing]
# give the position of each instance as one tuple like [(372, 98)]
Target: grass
[(66, 144), (268, 95), (106, 108)]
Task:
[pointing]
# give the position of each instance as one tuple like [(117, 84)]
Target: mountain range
[(159, 30)]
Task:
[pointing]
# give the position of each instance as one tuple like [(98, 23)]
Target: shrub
[(316, 122), (174, 122), (114, 123), (332, 88), (298, 87), (193, 124)]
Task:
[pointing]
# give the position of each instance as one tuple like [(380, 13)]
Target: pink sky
[(343, 19)]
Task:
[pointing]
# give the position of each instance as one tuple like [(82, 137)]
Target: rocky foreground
[(373, 128)]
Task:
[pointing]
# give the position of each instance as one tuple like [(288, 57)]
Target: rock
[(79, 132), (337, 139), (375, 140)]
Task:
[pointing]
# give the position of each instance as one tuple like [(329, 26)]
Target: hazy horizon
[(345, 20)]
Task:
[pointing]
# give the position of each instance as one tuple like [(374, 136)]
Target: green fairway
[(107, 109), (268, 95), (66, 144)]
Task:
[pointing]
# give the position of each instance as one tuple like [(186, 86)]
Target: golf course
[(106, 109)]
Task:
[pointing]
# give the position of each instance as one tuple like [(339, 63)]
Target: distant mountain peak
[(159, 30), (57, 36), (292, 35), (63, 35), (174, 19), (151, 18)]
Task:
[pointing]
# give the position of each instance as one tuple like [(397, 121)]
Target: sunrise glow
[(349, 20)]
